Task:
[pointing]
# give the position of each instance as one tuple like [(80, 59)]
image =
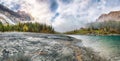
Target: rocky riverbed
[(18, 46)]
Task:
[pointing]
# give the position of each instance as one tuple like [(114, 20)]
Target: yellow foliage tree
[(25, 28)]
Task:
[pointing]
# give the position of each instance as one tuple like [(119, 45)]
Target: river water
[(106, 46), (22, 46), (28, 43)]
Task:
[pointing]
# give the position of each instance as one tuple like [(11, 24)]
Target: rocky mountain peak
[(11, 17), (112, 16)]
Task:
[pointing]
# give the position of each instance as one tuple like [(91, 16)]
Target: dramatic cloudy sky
[(64, 15)]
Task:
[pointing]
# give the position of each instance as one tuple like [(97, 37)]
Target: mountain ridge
[(111, 16), (8, 16)]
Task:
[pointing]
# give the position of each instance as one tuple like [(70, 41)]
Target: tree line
[(106, 27), (27, 27)]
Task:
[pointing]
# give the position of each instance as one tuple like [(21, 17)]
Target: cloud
[(112, 3), (39, 9), (11, 4), (64, 15)]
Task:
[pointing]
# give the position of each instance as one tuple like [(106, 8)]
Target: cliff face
[(113, 16), (11, 17)]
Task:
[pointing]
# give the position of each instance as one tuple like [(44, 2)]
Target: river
[(107, 46), (55, 47)]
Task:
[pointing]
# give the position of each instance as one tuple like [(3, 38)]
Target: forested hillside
[(27, 27)]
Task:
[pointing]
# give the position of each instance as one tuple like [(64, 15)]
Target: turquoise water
[(107, 46)]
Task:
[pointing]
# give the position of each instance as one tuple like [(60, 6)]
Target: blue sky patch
[(67, 1), (53, 5), (16, 7), (54, 17)]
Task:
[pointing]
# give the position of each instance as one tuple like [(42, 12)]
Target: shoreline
[(95, 34), (64, 34)]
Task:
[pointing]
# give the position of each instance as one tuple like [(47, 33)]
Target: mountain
[(25, 16), (11, 17), (112, 16)]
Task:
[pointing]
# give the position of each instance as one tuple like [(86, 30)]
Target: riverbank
[(17, 46), (95, 34)]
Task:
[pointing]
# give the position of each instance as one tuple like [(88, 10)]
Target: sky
[(64, 15)]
